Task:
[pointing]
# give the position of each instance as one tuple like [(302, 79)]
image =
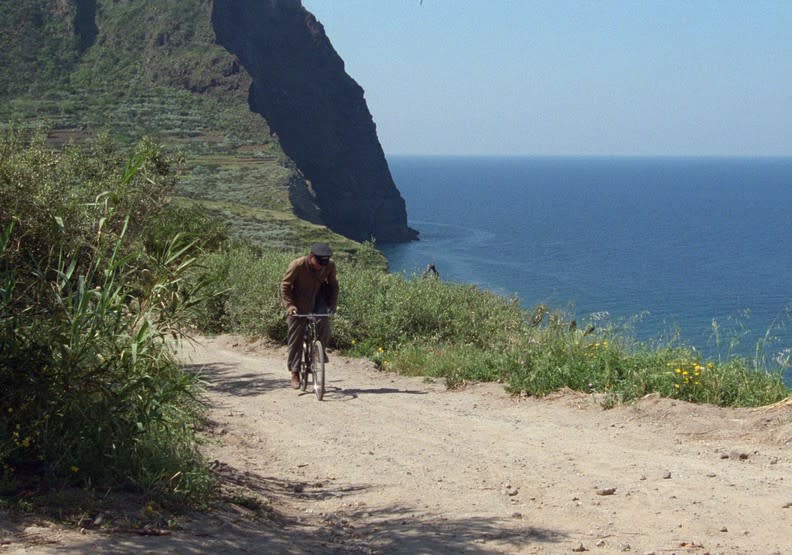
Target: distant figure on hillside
[(430, 271), (308, 286)]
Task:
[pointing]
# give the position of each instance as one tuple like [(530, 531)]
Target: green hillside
[(152, 68)]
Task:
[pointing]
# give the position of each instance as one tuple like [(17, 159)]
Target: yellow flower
[(678, 370), (75, 469), (26, 442), (380, 350)]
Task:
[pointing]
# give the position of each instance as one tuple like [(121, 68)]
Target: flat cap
[(321, 249)]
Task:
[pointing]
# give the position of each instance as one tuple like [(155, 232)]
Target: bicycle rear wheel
[(318, 369)]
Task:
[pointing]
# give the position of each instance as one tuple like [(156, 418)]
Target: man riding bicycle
[(308, 286)]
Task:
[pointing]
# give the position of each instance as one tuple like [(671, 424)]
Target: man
[(309, 285)]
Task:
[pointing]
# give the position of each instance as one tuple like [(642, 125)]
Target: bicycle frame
[(313, 357)]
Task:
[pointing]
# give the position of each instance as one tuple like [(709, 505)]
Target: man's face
[(318, 262)]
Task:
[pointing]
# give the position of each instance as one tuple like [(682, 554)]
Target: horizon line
[(677, 156)]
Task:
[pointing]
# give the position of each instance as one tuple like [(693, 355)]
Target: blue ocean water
[(666, 245)]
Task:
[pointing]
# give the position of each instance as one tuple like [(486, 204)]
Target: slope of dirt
[(388, 464)]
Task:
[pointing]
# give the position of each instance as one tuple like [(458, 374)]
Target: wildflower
[(26, 442), (75, 469), (380, 350)]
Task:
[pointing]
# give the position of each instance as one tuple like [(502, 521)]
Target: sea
[(693, 252)]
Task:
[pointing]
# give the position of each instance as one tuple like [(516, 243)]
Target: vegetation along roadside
[(100, 272)]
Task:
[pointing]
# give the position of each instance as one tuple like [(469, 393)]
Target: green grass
[(462, 334), (243, 181)]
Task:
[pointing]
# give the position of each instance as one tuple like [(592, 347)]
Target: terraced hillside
[(153, 68)]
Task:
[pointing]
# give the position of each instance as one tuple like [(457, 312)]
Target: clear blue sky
[(608, 77)]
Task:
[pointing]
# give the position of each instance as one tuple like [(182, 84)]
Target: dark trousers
[(296, 333)]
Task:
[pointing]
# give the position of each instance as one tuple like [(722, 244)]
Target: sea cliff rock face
[(319, 115), (250, 90)]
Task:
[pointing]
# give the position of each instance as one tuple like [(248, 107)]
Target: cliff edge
[(251, 90), (318, 113)]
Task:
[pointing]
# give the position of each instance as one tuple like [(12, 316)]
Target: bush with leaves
[(249, 301), (89, 307), (460, 333)]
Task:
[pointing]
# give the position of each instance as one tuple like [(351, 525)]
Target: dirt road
[(388, 464)]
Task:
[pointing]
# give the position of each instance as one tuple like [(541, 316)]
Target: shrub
[(249, 298), (460, 333), (89, 387)]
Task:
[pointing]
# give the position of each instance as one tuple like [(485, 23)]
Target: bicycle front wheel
[(304, 369), (318, 369)]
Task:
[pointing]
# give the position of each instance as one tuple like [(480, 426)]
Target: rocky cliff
[(201, 73), (318, 112)]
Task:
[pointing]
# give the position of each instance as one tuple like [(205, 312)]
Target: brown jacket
[(301, 284)]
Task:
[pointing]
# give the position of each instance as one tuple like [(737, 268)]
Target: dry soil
[(391, 464)]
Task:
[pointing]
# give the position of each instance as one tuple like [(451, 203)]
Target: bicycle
[(313, 360)]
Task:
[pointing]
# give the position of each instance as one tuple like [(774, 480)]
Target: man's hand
[(291, 311)]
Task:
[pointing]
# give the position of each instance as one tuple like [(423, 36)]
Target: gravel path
[(390, 464)]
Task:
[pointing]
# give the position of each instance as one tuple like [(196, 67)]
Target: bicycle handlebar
[(313, 315)]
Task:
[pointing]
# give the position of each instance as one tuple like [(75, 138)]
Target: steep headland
[(318, 111), (251, 90)]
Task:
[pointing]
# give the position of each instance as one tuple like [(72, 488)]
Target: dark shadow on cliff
[(300, 87), (85, 24)]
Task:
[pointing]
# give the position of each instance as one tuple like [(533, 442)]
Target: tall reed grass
[(90, 302)]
